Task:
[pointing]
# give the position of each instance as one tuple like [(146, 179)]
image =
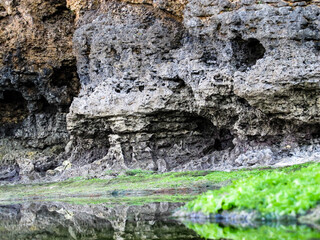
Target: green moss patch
[(129, 200), (192, 182), (283, 192), (132, 180)]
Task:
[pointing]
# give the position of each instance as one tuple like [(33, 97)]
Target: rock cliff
[(159, 85)]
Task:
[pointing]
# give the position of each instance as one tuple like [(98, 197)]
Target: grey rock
[(9, 173), (203, 84), (228, 82)]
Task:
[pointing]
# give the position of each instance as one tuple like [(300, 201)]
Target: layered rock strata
[(161, 90)]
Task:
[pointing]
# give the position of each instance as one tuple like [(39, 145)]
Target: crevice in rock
[(307, 132), (127, 151), (60, 10), (166, 140), (45, 107), (246, 52)]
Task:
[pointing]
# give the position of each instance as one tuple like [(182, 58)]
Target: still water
[(59, 220)]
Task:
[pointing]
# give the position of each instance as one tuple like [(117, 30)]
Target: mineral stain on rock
[(156, 85)]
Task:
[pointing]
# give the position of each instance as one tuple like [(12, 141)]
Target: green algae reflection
[(281, 232)]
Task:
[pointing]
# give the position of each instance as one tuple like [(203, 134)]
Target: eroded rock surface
[(165, 85), (161, 92), (38, 78)]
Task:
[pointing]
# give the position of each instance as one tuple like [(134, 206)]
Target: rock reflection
[(67, 221)]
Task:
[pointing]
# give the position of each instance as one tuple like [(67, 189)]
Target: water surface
[(124, 221)]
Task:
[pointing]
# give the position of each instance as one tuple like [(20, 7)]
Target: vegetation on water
[(130, 200), (131, 183), (131, 180), (265, 232), (275, 194)]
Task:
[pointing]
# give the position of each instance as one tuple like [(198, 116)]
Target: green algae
[(191, 182), (265, 232), (130, 200), (134, 180), (275, 194)]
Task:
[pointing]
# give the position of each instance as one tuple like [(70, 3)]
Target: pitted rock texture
[(38, 78), (37, 69), (175, 7), (164, 91)]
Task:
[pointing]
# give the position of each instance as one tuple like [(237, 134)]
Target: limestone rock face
[(38, 78), (165, 85), (175, 7), (166, 91), (37, 71)]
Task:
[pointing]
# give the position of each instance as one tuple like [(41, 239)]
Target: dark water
[(56, 220)]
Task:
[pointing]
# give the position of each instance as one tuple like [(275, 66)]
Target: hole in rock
[(13, 107), (61, 9), (246, 52), (180, 137), (43, 166), (317, 46), (141, 88), (218, 26), (217, 145), (176, 84), (45, 107), (66, 75), (13, 110), (308, 132), (128, 90), (209, 58)]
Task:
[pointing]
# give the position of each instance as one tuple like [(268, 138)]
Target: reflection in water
[(46, 221), (265, 232)]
